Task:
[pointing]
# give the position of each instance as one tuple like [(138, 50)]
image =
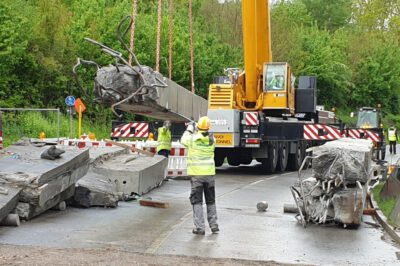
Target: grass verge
[(386, 206), (23, 124)]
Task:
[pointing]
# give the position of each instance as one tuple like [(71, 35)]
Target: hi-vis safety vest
[(200, 154), (392, 134), (164, 139)]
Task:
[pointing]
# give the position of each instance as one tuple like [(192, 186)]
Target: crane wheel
[(269, 164), (296, 158), (233, 160), (283, 154)]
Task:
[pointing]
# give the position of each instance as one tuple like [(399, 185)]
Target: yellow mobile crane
[(259, 114)]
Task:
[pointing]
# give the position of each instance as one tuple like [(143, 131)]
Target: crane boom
[(256, 42)]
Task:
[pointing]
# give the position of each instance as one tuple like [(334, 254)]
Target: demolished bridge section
[(336, 189)]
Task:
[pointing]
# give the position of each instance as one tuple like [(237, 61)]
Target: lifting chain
[(133, 25), (191, 46), (158, 49), (171, 12)]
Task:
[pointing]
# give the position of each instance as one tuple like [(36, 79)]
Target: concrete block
[(8, 200), (135, 176)]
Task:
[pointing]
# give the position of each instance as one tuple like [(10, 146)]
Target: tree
[(330, 14)]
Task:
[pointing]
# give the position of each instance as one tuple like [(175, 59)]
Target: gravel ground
[(26, 255)]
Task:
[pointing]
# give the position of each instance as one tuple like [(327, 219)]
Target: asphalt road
[(245, 233)]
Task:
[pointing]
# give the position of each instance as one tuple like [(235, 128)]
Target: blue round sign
[(70, 100)]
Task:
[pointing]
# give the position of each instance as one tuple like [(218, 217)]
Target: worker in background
[(201, 169), (151, 137), (392, 137), (164, 139)]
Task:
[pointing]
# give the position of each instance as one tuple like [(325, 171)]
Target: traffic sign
[(79, 106), (70, 101)]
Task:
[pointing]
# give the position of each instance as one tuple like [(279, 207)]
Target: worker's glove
[(190, 128)]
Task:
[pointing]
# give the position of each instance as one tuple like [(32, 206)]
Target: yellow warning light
[(92, 136), (391, 169), (42, 135)]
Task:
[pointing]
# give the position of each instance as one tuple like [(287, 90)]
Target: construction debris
[(262, 206), (115, 174), (11, 220), (43, 183), (51, 153), (133, 176), (154, 203), (96, 190), (337, 188)]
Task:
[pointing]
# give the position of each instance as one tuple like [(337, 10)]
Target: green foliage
[(329, 14), (386, 206), (30, 124), (351, 46)]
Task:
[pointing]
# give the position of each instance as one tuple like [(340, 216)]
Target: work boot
[(215, 229), (198, 231)]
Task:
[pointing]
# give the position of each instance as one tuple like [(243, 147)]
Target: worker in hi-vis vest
[(276, 83), (164, 139), (392, 137), (201, 169)]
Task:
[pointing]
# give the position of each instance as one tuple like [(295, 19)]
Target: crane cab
[(278, 89)]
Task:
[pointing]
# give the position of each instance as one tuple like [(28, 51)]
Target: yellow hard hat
[(204, 123), (151, 136)]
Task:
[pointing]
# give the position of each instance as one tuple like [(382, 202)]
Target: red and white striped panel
[(150, 149), (1, 140), (124, 131), (177, 166), (368, 134), (251, 118), (178, 151), (329, 133)]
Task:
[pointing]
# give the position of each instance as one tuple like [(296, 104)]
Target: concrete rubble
[(116, 174), (42, 183), (31, 183), (336, 190)]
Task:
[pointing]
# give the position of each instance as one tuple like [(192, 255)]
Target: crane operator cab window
[(367, 119), (274, 77)]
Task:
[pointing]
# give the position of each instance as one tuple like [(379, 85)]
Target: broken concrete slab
[(29, 161), (94, 190), (8, 200), (27, 211), (40, 195), (98, 155), (43, 183), (137, 176)]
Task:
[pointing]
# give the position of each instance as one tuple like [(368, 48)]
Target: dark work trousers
[(392, 147), (164, 153), (206, 185)]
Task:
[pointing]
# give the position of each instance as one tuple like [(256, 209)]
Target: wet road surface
[(245, 233)]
